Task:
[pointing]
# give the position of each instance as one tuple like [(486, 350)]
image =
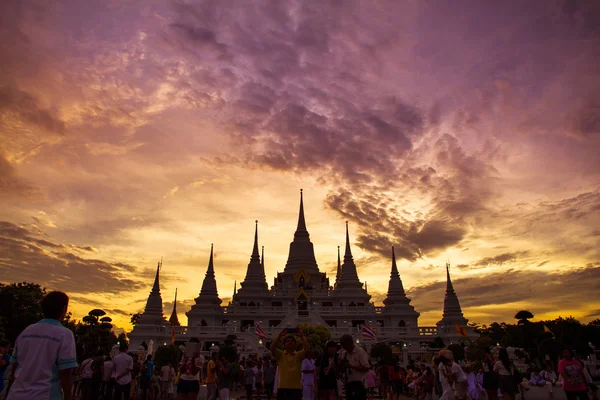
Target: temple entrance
[(247, 323), (302, 305)]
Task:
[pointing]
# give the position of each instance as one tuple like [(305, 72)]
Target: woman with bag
[(189, 377), (490, 379)]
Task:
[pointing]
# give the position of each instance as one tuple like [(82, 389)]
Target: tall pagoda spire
[(396, 293), (349, 277), (348, 253), (153, 312), (301, 232), (255, 281), (452, 307), (302, 253), (208, 293), (338, 274), (174, 320), (255, 255)]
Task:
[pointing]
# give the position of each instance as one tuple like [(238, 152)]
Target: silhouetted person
[(44, 355)]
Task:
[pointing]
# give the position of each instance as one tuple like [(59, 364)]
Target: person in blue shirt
[(4, 361), (146, 377)]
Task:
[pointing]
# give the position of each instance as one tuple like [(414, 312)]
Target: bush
[(164, 354)]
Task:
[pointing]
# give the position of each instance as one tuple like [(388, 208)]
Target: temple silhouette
[(301, 294)]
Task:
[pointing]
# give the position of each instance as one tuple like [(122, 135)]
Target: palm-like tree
[(523, 316)]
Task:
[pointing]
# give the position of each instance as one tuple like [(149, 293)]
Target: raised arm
[(305, 346), (275, 342)]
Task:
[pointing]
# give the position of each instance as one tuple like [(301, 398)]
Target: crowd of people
[(44, 365)]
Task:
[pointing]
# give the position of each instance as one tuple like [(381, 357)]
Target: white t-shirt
[(123, 362), (87, 372), (357, 357), (548, 376), (41, 351), (458, 372), (500, 369), (308, 378), (107, 370), (442, 375), (166, 374)]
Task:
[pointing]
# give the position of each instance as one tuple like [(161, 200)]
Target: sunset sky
[(469, 132)]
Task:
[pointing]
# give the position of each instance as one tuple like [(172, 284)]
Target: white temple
[(301, 294)]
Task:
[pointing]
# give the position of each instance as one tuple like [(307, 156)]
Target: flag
[(546, 329), (259, 332), (368, 333), (172, 334), (461, 331)]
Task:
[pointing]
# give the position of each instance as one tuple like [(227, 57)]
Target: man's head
[(347, 342), (331, 347), (149, 358), (123, 347), (214, 356), (54, 305), (290, 344), (567, 354)]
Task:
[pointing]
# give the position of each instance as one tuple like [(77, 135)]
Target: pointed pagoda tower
[(255, 283), (453, 321), (398, 310), (302, 253), (153, 312), (338, 273), (349, 287), (151, 324), (173, 319), (207, 311)]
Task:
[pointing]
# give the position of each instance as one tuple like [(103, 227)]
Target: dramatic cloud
[(153, 129), (26, 257)]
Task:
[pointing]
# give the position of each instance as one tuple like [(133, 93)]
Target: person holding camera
[(289, 361)]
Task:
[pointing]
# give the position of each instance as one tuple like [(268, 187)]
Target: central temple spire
[(255, 256), (302, 253), (301, 232), (348, 253)]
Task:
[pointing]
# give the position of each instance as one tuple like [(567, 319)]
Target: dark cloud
[(26, 108), (28, 258), (11, 185), (499, 259)]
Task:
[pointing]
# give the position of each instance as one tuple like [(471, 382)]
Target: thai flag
[(259, 332), (368, 333)]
